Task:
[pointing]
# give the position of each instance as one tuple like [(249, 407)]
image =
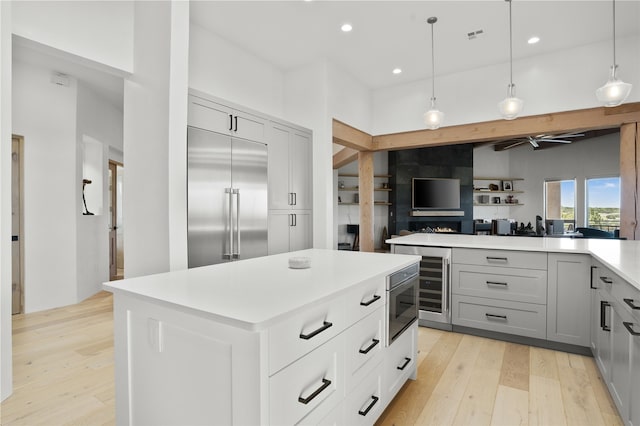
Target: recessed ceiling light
[(533, 40), (396, 71), (346, 28)]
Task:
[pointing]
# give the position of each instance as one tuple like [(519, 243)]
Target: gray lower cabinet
[(634, 397), (615, 340), (568, 298)]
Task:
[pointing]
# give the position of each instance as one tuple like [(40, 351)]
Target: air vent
[(475, 34)]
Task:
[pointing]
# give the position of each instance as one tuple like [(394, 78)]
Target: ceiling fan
[(535, 141)]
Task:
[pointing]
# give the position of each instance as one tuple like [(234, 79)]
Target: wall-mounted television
[(434, 193)]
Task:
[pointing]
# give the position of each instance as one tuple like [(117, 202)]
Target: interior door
[(209, 231), (16, 225), (116, 268), (250, 203)]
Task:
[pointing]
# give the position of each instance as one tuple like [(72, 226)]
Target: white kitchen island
[(256, 342)]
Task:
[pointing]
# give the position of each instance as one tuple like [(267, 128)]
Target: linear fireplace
[(439, 226)]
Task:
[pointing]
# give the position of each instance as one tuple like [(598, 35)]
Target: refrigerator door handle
[(236, 254), (228, 254)]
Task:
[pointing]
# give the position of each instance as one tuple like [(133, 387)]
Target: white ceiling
[(386, 34), (389, 34)]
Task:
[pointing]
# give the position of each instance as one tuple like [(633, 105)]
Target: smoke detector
[(60, 79)]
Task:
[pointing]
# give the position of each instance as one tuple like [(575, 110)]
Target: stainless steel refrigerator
[(226, 196)]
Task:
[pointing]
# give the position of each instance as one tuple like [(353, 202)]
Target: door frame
[(20, 140), (113, 212)]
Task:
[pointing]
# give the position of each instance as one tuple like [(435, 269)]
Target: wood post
[(365, 182), (629, 180)]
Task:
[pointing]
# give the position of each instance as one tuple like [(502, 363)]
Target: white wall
[(6, 361), (45, 114), (596, 157), (99, 125), (222, 69), (101, 31), (558, 81), (147, 143)]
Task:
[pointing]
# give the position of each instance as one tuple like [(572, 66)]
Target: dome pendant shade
[(615, 91), (433, 118), (510, 107)]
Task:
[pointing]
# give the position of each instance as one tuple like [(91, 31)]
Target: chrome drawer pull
[(373, 299), (631, 304), (373, 344), (496, 283), (606, 280), (366, 410), (494, 316), (325, 384), (325, 325), (629, 326), (406, 362), (497, 259)]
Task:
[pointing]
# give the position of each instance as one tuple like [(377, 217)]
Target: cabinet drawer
[(400, 362), (300, 334), (523, 319), (519, 285), (627, 295), (364, 405), (364, 347), (312, 386), (505, 258), (364, 299)]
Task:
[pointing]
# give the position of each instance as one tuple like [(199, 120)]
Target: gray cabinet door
[(634, 397), (568, 298), (619, 383), (602, 352)]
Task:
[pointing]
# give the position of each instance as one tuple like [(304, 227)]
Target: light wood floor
[(63, 375)]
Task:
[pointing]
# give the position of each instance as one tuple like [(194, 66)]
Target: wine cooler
[(434, 291)]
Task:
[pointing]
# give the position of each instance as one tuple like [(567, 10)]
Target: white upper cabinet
[(219, 118), (290, 168)]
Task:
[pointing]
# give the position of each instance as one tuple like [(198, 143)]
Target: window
[(560, 202), (603, 203)]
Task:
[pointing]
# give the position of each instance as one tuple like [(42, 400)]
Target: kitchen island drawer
[(519, 285), (365, 404), (523, 319), (365, 298), (504, 258), (626, 294), (364, 347), (310, 388), (302, 333)]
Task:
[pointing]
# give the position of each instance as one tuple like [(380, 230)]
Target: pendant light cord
[(614, 35), (433, 68), (510, 53)]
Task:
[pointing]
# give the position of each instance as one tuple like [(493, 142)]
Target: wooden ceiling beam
[(565, 122), (344, 157), (349, 136)]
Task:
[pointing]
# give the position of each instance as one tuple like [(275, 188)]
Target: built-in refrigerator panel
[(249, 200), (209, 174), (226, 198)]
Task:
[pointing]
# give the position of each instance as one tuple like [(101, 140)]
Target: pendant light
[(511, 106), (615, 91), (433, 117)]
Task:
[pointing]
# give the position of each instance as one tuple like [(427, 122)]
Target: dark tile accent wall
[(439, 162)]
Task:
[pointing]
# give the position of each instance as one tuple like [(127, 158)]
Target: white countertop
[(255, 293), (622, 256)]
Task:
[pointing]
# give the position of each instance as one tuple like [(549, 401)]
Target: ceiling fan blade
[(515, 142), (555, 141), (565, 135)]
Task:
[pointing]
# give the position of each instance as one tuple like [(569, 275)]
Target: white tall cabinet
[(290, 188)]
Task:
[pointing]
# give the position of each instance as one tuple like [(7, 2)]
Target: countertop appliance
[(226, 198), (402, 301), (434, 301)]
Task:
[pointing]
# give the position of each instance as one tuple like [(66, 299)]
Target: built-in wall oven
[(402, 301), (435, 284)]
